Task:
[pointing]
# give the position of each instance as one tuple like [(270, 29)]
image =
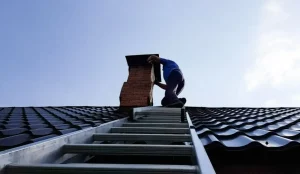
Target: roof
[(236, 139), (219, 129), (24, 125), (240, 128), (249, 140), (230, 128)]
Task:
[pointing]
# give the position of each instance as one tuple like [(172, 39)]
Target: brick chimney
[(137, 90)]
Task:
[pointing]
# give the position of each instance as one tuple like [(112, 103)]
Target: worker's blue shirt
[(168, 67)]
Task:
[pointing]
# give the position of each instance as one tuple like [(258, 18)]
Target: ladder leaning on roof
[(167, 133)]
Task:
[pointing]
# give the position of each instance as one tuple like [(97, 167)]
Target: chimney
[(137, 90)]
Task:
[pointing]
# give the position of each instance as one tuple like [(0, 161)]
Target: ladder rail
[(201, 157)]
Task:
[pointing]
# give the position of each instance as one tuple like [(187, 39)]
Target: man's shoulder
[(166, 61)]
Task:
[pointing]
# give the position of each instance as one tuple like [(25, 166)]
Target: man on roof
[(174, 82)]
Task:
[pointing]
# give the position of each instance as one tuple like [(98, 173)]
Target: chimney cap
[(141, 59)]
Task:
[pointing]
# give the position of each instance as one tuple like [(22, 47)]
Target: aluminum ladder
[(153, 140)]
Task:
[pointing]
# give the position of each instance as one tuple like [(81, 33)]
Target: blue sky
[(72, 52)]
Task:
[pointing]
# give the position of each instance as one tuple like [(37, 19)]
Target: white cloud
[(273, 7), (271, 103), (296, 99), (278, 50), (288, 101)]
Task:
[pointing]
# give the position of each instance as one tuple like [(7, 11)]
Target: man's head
[(153, 59)]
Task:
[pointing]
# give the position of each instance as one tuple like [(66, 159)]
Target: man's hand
[(163, 86), (153, 59)]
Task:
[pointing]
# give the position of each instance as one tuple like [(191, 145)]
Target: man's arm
[(162, 86)]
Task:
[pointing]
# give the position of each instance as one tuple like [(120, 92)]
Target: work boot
[(183, 100), (164, 102), (176, 104)]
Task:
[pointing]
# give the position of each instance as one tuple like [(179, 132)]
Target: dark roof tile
[(43, 138), (15, 140), (67, 130), (227, 132), (209, 139), (83, 126), (42, 131), (247, 127), (35, 122), (76, 122), (37, 126), (203, 130), (257, 133), (295, 127), (276, 141), (14, 125), (288, 133), (14, 122), (62, 126), (19, 118), (34, 119), (238, 141), (54, 121), (14, 131)]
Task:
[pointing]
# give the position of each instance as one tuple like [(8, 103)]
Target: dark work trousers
[(175, 84)]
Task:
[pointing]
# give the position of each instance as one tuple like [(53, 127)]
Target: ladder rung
[(129, 149), (177, 119), (158, 121), (99, 168), (174, 125), (161, 111), (165, 112), (150, 130), (142, 137), (161, 118)]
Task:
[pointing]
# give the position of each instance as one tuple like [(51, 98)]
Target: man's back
[(168, 66)]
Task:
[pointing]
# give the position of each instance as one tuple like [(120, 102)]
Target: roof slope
[(240, 128), (250, 140), (226, 128), (23, 125)]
